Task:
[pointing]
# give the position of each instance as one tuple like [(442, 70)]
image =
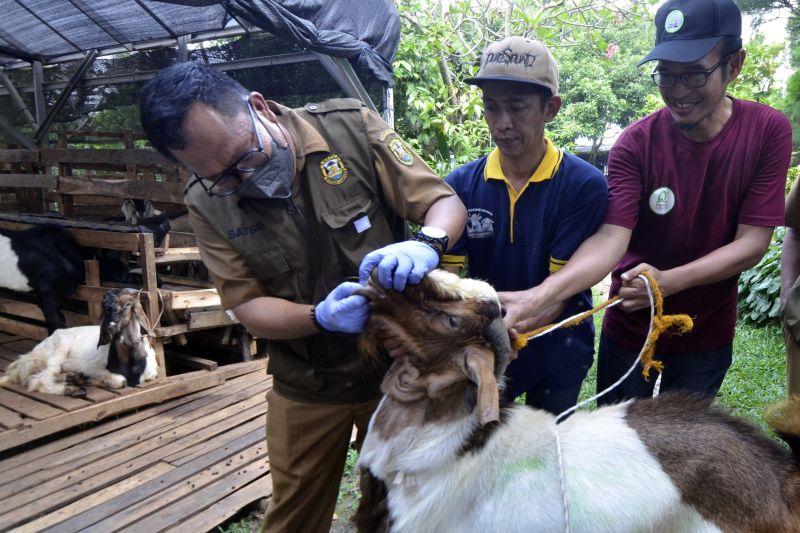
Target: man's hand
[(342, 310), (399, 263), (633, 288), (525, 312)]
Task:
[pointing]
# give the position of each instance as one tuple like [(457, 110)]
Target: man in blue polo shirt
[(530, 205)]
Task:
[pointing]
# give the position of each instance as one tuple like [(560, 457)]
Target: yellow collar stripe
[(545, 171)]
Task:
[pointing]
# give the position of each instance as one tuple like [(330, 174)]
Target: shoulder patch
[(333, 170), (401, 152), (384, 134)]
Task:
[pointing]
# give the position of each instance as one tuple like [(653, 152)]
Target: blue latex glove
[(398, 263), (343, 311)]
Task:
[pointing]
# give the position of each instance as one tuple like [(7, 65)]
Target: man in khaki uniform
[(790, 290), (285, 205)]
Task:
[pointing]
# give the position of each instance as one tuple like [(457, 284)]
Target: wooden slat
[(9, 419), (134, 156), (27, 407), (23, 464), (95, 476), (95, 460), (64, 403), (209, 319), (225, 508), (252, 459), (41, 181), (192, 361), (121, 188), (17, 327), (92, 238), (18, 156), (191, 299), (93, 500), (34, 312), (191, 382)]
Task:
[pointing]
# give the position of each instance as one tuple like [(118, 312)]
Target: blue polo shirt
[(514, 240)]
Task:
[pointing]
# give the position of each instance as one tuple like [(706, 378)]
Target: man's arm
[(449, 214), (275, 318), (591, 262), (745, 251)]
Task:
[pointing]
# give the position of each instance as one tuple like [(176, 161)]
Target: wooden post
[(92, 269), (147, 262)]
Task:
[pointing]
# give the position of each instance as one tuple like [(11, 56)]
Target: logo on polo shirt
[(662, 200), (480, 224)]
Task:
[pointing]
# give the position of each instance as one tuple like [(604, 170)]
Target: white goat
[(116, 353), (442, 456)]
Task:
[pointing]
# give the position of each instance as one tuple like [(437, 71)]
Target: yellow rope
[(661, 323)]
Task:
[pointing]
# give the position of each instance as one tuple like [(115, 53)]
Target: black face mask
[(274, 179)]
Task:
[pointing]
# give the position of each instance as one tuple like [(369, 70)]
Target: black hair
[(165, 100)]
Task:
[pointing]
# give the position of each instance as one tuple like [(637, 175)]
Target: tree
[(596, 42)]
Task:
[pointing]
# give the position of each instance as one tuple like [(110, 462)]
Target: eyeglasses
[(231, 179), (694, 79)]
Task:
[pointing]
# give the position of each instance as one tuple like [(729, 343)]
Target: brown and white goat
[(116, 353), (441, 455)]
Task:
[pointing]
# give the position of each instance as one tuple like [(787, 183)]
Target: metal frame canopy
[(351, 39)]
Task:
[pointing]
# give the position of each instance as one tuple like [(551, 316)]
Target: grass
[(756, 379)]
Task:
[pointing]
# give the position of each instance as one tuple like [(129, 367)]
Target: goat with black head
[(116, 353), (43, 259), (442, 455)]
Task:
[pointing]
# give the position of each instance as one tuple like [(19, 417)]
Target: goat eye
[(453, 321)]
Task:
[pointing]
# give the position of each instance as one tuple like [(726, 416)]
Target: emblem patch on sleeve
[(400, 151), (333, 170), (384, 134)]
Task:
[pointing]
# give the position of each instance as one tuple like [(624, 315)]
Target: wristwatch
[(433, 236)]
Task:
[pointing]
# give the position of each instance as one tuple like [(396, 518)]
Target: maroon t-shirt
[(685, 199)]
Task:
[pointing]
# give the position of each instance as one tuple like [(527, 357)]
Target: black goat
[(43, 259)]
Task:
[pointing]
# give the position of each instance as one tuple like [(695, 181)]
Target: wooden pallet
[(187, 464)]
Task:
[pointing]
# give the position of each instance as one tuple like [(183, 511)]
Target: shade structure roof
[(47, 31)]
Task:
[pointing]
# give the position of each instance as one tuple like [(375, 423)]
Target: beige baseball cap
[(520, 60)]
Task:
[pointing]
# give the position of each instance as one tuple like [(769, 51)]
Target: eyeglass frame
[(682, 77), (233, 170)]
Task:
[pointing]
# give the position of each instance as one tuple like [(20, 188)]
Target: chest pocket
[(344, 222), (268, 263)]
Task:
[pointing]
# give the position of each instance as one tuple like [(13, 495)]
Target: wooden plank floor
[(188, 463)]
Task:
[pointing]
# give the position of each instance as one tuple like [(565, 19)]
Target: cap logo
[(674, 21), (509, 57)]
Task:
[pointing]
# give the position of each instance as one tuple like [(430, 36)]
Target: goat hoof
[(75, 392)]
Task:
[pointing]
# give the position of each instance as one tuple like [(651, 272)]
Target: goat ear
[(105, 334), (403, 383), (479, 366)]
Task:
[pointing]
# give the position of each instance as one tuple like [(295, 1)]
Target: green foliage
[(760, 287), (596, 44), (757, 80)]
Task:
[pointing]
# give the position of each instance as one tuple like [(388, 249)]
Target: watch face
[(433, 232)]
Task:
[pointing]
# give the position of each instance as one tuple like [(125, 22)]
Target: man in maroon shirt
[(695, 190)]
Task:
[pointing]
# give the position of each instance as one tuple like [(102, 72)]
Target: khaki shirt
[(355, 185)]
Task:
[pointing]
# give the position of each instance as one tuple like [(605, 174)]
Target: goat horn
[(496, 335)]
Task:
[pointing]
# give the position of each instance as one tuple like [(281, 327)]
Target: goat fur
[(434, 461), (116, 353), (43, 259)]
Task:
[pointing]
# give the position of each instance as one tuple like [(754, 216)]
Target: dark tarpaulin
[(365, 32)]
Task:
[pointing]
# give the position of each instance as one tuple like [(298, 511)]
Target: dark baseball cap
[(687, 30)]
